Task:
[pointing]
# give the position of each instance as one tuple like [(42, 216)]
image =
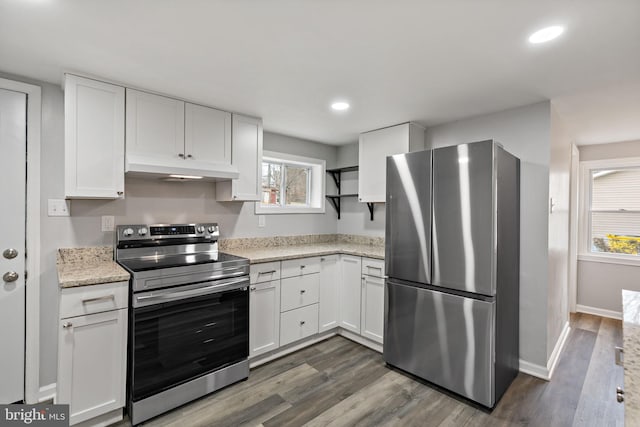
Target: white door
[(329, 293), (372, 321), (350, 292), (13, 144), (264, 317)]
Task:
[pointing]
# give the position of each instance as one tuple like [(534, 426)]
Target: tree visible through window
[(285, 184), (615, 210)]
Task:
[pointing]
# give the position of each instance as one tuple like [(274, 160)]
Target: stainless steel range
[(189, 315)]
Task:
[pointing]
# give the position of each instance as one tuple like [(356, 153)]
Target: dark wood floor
[(340, 383)]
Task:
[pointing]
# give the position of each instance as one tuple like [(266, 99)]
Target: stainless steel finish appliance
[(452, 261), (188, 316)]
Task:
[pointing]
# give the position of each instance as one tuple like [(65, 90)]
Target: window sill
[(609, 259), (280, 211)]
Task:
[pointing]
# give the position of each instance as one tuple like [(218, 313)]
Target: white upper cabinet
[(246, 145), (170, 136), (207, 135), (155, 129), (94, 139), (374, 147)]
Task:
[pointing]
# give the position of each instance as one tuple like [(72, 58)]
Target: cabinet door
[(92, 353), (94, 139), (246, 155), (372, 318), (155, 129), (330, 283), (374, 147), (350, 293), (207, 135), (264, 317)]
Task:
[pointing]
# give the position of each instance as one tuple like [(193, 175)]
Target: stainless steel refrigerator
[(452, 262)]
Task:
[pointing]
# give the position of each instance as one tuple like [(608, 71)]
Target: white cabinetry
[(330, 282), (373, 149), (350, 292), (94, 139), (372, 306), (246, 155), (264, 308), (92, 350), (170, 136)]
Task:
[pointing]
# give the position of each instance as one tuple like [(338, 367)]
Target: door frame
[(32, 262)]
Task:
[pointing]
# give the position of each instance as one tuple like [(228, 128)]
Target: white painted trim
[(574, 218), (557, 350), (360, 340), (611, 259), (546, 372), (47, 392), (283, 351), (599, 312), (32, 313)]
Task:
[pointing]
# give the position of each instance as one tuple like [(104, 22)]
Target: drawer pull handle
[(266, 272), (302, 291), (619, 352), (67, 325), (302, 266), (302, 322), (374, 268), (253, 288), (322, 259), (104, 298)]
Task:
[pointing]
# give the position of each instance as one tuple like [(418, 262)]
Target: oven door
[(182, 333)]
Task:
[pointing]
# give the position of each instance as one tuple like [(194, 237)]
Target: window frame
[(584, 220), (315, 184)]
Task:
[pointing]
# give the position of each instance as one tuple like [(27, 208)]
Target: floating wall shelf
[(336, 174)]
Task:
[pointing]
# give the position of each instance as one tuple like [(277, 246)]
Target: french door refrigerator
[(452, 262)]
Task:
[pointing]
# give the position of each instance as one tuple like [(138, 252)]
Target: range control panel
[(162, 231)]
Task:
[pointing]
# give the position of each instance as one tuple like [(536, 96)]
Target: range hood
[(144, 166)]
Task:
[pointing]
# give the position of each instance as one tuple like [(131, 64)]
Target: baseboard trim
[(283, 351), (360, 340), (546, 372), (47, 392), (599, 311)]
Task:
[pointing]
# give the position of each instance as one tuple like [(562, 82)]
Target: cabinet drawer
[(300, 266), (91, 299), (299, 291), (299, 323), (264, 272), (373, 267)]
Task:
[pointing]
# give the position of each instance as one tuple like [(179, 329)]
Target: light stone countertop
[(631, 345), (88, 266), (280, 253)]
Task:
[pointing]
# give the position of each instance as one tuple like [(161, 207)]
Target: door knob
[(10, 276), (10, 253)]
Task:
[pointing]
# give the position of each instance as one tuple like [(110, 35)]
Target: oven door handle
[(167, 296)]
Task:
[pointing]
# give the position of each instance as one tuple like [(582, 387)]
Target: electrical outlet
[(262, 221), (108, 223), (58, 207)]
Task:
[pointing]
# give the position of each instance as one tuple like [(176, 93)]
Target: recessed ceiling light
[(340, 106), (546, 34)]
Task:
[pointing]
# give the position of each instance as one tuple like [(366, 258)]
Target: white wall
[(147, 201), (524, 132), (559, 193), (600, 284)]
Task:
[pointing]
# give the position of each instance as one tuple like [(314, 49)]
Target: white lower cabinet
[(350, 292), (92, 354), (329, 308), (299, 291), (299, 323), (264, 317), (372, 317)]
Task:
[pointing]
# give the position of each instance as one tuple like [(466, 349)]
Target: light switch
[(108, 223), (262, 221), (58, 207)]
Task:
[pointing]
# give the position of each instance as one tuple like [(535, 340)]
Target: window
[(291, 184), (611, 200)]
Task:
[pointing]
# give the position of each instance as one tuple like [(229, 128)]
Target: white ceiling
[(394, 61)]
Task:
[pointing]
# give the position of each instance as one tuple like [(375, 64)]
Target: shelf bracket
[(370, 206), (335, 201), (336, 178)]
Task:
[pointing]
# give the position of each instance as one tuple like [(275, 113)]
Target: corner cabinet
[(373, 149), (92, 351), (329, 307), (350, 292), (246, 155), (94, 124)]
